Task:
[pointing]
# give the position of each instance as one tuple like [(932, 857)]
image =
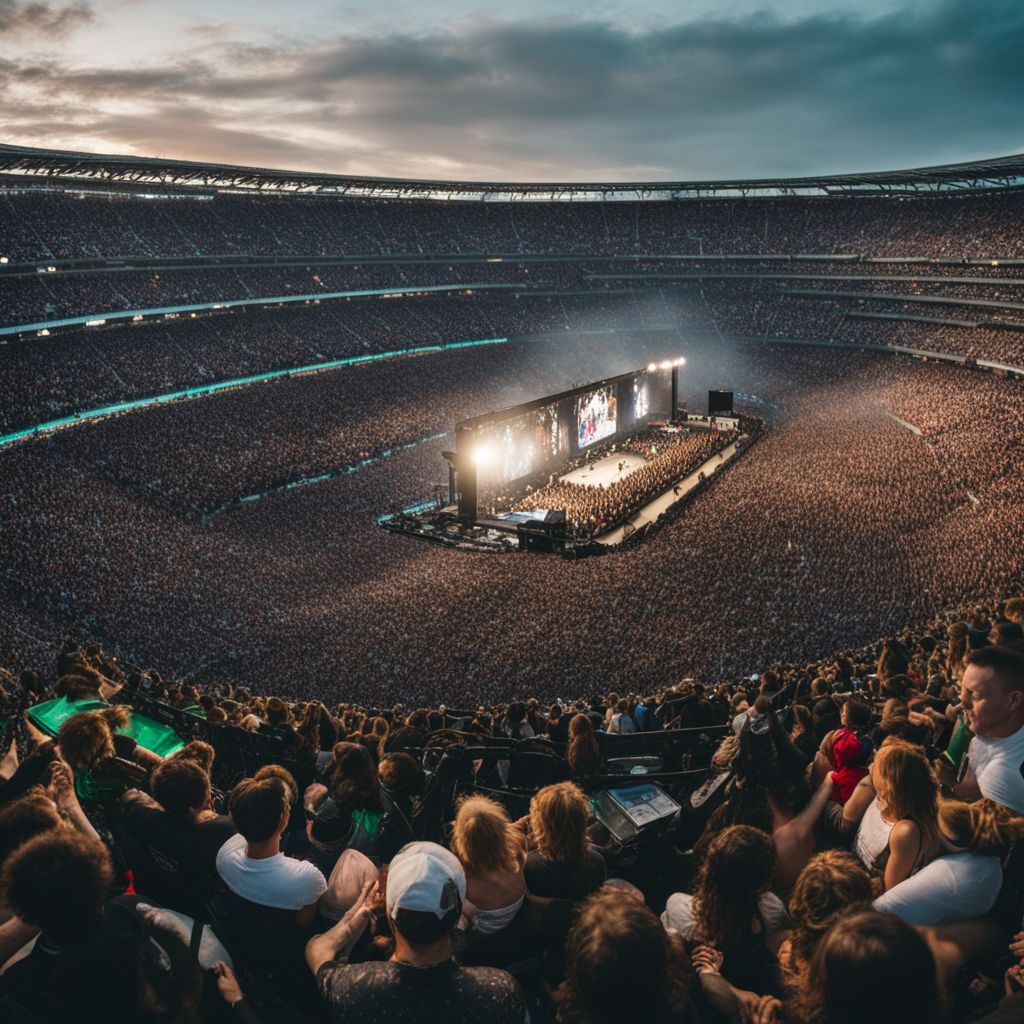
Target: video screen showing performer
[(595, 416)]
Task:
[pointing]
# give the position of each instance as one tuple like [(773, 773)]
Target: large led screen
[(595, 416), (520, 446)]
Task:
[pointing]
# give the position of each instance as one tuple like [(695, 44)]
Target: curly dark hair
[(58, 881), (735, 874), (615, 938), (25, 818)]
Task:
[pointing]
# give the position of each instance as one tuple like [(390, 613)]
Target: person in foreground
[(426, 889)]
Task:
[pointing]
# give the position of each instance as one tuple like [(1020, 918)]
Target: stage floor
[(606, 471)]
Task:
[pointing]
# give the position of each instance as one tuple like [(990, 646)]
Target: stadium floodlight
[(483, 454), (651, 367), (666, 365), (680, 361), (4, 259)]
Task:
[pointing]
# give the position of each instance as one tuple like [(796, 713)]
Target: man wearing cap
[(425, 890)]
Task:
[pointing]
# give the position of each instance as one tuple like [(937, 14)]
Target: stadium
[(722, 483)]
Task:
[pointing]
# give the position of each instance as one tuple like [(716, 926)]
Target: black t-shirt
[(574, 881), (182, 854), (558, 732), (378, 993)]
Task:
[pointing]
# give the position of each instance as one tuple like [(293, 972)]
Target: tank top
[(872, 836)]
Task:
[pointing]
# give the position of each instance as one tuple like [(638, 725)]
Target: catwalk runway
[(606, 471), (650, 512)]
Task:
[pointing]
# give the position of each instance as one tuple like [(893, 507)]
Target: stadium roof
[(69, 169)]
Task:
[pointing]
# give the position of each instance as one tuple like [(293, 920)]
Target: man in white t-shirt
[(251, 863), (992, 694)]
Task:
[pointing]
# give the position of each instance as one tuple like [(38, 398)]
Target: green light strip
[(224, 385)]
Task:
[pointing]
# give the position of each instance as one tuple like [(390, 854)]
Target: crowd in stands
[(591, 509), (854, 842), (45, 378), (31, 297), (67, 225)]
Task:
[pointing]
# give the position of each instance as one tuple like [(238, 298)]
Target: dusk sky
[(522, 90)]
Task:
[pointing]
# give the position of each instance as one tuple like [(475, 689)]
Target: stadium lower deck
[(838, 526)]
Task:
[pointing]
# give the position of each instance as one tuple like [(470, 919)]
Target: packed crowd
[(30, 297), (45, 378), (803, 546), (69, 225), (855, 842), (592, 509)]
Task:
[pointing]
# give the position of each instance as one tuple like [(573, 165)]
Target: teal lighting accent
[(124, 315), (235, 382)]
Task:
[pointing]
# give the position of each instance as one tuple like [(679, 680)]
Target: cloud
[(36, 17), (573, 100)]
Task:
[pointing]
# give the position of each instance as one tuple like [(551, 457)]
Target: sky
[(525, 90)]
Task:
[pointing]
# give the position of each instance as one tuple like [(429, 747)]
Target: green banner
[(155, 736)]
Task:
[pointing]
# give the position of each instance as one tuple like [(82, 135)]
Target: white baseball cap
[(425, 877)]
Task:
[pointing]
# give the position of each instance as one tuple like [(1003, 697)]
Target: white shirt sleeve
[(773, 910), (678, 916), (314, 884)]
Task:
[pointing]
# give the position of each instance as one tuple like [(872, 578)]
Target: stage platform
[(605, 471)]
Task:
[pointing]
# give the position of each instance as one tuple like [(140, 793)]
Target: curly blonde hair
[(87, 738), (483, 837), (985, 826)]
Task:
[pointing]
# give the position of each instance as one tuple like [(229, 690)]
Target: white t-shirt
[(872, 835), (277, 881), (679, 916), (956, 887), (997, 765)]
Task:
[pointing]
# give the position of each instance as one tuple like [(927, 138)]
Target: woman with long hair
[(493, 856), (584, 751), (899, 832), (732, 909), (870, 964), (622, 965), (963, 882), (346, 814)]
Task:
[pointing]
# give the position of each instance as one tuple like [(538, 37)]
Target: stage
[(604, 471)]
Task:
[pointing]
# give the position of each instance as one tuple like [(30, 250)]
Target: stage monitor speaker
[(629, 812), (719, 403)]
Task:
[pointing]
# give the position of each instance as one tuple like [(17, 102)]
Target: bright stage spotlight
[(483, 455)]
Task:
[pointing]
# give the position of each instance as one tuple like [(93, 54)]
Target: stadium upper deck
[(69, 167), (928, 259)]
